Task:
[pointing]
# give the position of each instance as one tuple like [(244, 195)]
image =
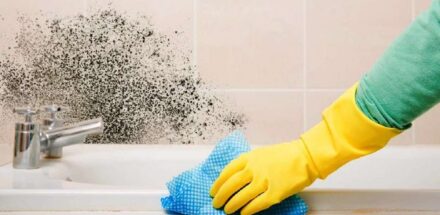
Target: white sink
[(146, 167), (133, 177)]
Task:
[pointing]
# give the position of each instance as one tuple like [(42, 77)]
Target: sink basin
[(98, 177), (133, 178), (146, 167)]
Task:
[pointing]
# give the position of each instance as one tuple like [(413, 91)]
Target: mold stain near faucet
[(117, 67)]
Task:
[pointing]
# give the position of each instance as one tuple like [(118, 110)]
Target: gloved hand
[(276, 172), (265, 176)]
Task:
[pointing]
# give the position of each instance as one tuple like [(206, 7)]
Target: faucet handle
[(53, 109), (28, 112), (51, 123)]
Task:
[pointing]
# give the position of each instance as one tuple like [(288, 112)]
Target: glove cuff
[(344, 134)]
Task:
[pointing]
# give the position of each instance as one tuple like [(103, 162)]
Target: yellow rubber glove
[(265, 176)]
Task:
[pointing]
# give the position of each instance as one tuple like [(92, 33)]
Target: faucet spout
[(68, 135), (31, 139)]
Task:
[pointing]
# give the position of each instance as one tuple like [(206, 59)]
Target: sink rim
[(55, 194)]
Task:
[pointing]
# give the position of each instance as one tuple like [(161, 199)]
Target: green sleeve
[(405, 82)]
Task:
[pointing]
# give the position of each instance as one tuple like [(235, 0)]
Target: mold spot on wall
[(118, 67)]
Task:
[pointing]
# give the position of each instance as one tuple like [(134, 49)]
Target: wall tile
[(15, 8), (168, 16), (260, 45), (404, 138), (420, 6), (7, 128), (5, 154), (344, 37), (318, 101), (427, 127), (10, 11), (257, 44), (273, 117)]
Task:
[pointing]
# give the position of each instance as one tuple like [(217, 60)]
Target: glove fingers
[(231, 186), (260, 203), (232, 168), (244, 196)]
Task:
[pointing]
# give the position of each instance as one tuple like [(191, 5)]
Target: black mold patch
[(116, 67)]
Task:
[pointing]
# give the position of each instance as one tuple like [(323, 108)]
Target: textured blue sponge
[(189, 191)]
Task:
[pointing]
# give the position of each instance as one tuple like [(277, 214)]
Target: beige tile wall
[(344, 38), (10, 10), (167, 16), (280, 62), (250, 44), (325, 46), (273, 116)]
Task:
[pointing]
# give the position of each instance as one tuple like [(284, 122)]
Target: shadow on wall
[(117, 67)]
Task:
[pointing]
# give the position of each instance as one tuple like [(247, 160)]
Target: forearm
[(405, 82)]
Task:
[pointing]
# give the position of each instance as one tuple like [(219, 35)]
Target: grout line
[(304, 65), (325, 90), (194, 40), (268, 90), (257, 90)]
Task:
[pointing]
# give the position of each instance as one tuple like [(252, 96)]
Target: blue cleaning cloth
[(189, 191)]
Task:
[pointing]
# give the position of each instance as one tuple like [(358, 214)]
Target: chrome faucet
[(49, 124), (32, 139)]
